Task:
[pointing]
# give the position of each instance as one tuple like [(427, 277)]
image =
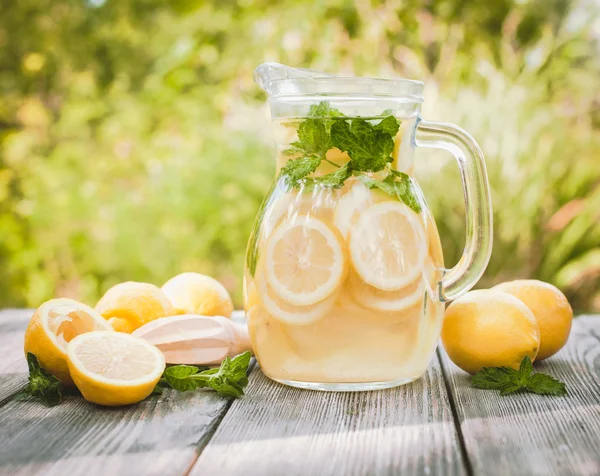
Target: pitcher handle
[(478, 203)]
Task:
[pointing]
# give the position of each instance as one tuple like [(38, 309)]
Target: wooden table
[(436, 425)]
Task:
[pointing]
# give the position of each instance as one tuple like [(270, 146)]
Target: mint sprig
[(368, 145), (510, 381), (229, 380), (42, 385)]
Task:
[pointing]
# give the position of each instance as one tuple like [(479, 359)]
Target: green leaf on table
[(510, 381), (543, 384), (228, 380), (42, 385), (177, 377)]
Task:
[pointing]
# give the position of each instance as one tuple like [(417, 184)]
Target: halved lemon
[(52, 326), (388, 245), (304, 261), (290, 313), (114, 368)]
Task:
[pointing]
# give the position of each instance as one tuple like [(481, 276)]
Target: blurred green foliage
[(134, 144)]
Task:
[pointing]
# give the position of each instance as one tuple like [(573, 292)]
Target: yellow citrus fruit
[(393, 301), (51, 328), (549, 306), (130, 305), (305, 261), (114, 368), (352, 203), (487, 328), (288, 313), (195, 293), (388, 245)]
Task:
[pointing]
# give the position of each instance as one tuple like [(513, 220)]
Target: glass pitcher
[(344, 283)]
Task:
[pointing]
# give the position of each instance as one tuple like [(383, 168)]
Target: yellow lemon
[(487, 328), (113, 368), (304, 261), (52, 326), (549, 306), (388, 246), (285, 312), (130, 305), (195, 293)]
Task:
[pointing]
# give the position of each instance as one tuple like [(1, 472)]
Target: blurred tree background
[(134, 144)]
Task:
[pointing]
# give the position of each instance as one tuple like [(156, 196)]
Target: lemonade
[(344, 283), (341, 283)]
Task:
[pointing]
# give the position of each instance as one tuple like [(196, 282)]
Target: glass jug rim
[(278, 80)]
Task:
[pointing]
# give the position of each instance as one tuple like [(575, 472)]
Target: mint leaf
[(334, 179), (177, 377), (389, 125), (493, 378), (526, 368), (398, 185), (42, 385), (543, 384), (323, 110), (510, 381), (369, 148), (229, 380), (297, 169), (313, 137)]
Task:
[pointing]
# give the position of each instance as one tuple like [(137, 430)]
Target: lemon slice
[(388, 246), (114, 368), (357, 199), (304, 261), (393, 301), (319, 204), (52, 326), (290, 313)]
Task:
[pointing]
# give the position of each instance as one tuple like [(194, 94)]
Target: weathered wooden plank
[(531, 434), (13, 367), (162, 435), (278, 430)]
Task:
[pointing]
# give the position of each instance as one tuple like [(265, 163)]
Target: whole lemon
[(488, 328), (195, 293), (127, 306), (549, 306)]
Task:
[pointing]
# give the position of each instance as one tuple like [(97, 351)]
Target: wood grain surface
[(161, 435), (13, 367), (531, 434), (278, 430), (416, 429)]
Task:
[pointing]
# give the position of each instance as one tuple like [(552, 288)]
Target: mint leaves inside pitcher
[(369, 145)]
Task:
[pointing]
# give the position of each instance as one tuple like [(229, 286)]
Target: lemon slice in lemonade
[(393, 301), (352, 203), (288, 313), (388, 245), (304, 261), (114, 368)]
